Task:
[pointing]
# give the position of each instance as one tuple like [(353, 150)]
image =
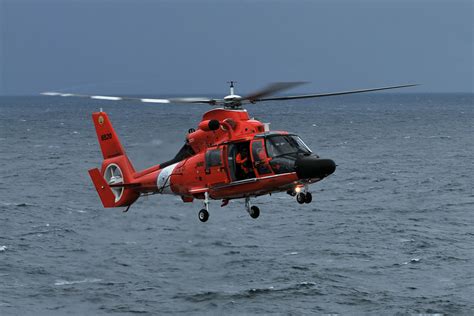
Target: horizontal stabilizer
[(103, 189), (125, 185)]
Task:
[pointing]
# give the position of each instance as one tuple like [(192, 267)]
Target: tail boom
[(117, 183)]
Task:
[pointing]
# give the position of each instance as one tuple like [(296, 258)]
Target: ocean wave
[(17, 204), (413, 260), (87, 280), (302, 288), (44, 232)]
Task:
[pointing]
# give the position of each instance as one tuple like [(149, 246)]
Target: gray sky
[(194, 47)]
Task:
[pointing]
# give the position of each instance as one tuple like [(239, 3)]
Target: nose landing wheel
[(304, 197), (308, 198)]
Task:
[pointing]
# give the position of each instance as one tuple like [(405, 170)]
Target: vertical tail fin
[(108, 139), (112, 182)]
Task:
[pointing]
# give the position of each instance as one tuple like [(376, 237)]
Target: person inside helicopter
[(284, 150), (244, 165), (260, 158)]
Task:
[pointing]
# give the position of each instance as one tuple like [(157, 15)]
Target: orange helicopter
[(229, 156)]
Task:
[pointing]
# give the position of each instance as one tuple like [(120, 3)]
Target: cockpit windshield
[(282, 145)]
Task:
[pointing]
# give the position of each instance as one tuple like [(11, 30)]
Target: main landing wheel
[(300, 198), (254, 212), (203, 215), (308, 198)]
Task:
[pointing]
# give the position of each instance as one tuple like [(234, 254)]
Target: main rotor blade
[(196, 100), (307, 96), (271, 89), (144, 100)]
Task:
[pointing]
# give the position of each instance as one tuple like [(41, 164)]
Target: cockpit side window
[(281, 145), (260, 157)]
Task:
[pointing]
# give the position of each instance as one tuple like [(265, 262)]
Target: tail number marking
[(106, 136)]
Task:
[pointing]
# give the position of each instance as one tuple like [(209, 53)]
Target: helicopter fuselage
[(229, 156)]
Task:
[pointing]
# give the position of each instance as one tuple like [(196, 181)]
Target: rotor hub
[(233, 101)]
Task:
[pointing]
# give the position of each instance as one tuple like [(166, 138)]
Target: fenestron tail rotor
[(113, 175)]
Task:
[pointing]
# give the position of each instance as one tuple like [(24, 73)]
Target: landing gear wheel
[(203, 215), (300, 198), (308, 198), (254, 212)]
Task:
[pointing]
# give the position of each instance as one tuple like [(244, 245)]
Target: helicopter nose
[(311, 167)]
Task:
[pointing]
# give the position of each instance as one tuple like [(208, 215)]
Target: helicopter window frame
[(294, 140), (214, 158)]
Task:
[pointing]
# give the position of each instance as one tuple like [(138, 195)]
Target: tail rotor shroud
[(113, 175)]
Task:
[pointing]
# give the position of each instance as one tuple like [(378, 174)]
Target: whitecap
[(156, 142), (64, 282), (413, 260), (3, 248)]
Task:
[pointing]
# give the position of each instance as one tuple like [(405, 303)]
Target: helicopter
[(228, 156)]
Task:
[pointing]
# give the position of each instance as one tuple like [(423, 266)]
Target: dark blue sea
[(391, 232)]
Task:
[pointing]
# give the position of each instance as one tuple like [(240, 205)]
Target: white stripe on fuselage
[(163, 181)]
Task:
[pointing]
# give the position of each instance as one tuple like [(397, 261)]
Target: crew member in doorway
[(242, 160)]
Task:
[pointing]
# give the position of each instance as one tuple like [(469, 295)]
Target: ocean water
[(390, 232)]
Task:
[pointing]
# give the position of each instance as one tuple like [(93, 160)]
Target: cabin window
[(213, 158)]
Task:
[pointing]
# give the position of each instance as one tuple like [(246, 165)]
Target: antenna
[(231, 86)]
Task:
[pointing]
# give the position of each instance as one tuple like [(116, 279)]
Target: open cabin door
[(260, 158), (239, 161)]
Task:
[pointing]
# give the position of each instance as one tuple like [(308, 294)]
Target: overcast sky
[(194, 47)]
